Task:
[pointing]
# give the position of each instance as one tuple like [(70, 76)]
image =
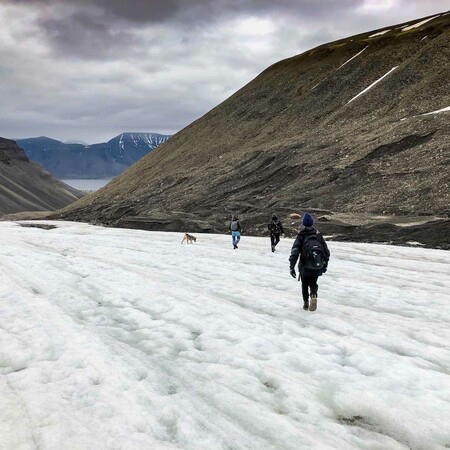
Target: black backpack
[(275, 227), (313, 253), (234, 225)]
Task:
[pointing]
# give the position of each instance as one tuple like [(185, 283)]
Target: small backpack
[(275, 227), (234, 225), (313, 253)]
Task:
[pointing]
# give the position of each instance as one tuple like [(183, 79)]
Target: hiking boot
[(306, 305), (273, 248), (313, 304)]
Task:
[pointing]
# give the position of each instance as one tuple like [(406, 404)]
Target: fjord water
[(88, 185)]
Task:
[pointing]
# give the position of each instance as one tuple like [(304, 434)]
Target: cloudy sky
[(90, 69)]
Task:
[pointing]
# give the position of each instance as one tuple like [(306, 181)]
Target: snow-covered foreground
[(122, 339)]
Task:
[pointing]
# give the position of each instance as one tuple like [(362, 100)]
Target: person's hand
[(293, 274)]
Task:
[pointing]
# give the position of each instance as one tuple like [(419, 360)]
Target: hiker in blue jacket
[(235, 228), (313, 251)]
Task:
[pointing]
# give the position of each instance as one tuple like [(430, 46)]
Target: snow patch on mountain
[(342, 65), (419, 24), (437, 111), (380, 33), (352, 58), (372, 85)]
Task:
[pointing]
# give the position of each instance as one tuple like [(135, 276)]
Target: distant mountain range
[(73, 160)]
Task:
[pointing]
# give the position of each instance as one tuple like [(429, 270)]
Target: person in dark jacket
[(276, 229), (306, 239), (235, 228)]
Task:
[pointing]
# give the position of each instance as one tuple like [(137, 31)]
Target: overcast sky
[(91, 69)]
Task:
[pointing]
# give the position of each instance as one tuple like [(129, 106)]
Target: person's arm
[(327, 253), (295, 253), (281, 228), (239, 228), (325, 247)]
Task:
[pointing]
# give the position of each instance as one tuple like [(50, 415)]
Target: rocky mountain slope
[(25, 186), (105, 160), (360, 125)]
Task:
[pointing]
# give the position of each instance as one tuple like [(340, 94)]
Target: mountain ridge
[(102, 160), (25, 186)]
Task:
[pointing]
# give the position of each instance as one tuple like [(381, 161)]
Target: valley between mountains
[(356, 130)]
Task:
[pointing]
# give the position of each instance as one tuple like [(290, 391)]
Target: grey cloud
[(140, 10), (102, 29), (151, 11), (148, 11), (85, 35), (91, 69), (200, 10)]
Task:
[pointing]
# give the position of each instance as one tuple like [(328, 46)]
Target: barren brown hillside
[(306, 134), (25, 186)]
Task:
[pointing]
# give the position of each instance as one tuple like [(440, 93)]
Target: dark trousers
[(309, 284), (274, 239)]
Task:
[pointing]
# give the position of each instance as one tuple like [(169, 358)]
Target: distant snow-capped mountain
[(104, 160)]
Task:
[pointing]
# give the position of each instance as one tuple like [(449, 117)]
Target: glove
[(293, 274)]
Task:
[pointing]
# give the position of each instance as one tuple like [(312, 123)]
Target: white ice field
[(123, 339)]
